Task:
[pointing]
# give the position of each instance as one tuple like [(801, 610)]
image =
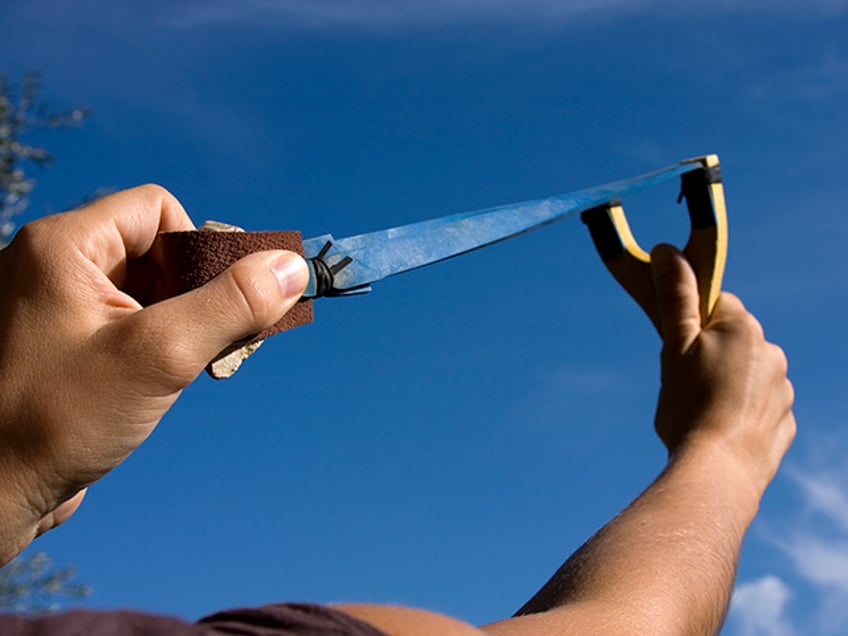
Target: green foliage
[(31, 585), (21, 111)]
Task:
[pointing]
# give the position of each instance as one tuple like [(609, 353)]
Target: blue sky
[(449, 439)]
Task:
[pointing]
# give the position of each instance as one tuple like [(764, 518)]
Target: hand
[(724, 384), (91, 356)]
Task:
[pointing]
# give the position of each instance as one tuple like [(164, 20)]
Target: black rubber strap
[(603, 231), (694, 187)]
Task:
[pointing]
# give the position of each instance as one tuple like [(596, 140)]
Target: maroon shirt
[(290, 619)]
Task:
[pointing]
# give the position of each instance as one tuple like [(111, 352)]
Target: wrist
[(718, 464), (25, 504)]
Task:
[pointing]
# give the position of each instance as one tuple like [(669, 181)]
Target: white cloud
[(818, 549), (825, 494), (758, 608), (816, 546), (820, 561)]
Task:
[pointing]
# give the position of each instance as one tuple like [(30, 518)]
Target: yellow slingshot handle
[(706, 249)]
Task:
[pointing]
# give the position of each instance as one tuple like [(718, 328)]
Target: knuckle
[(792, 427), (730, 302), (788, 430), (152, 196), (154, 192), (30, 236), (782, 360), (790, 392), (30, 250), (753, 327)]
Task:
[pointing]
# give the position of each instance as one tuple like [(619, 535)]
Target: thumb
[(190, 329), (677, 297)]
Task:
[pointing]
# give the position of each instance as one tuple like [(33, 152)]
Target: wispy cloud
[(393, 13), (824, 493), (759, 608), (388, 13), (816, 547), (351, 15), (821, 561)]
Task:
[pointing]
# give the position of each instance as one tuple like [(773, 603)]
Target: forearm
[(666, 564)]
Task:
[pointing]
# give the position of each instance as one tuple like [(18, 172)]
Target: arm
[(80, 295), (666, 564), (78, 298)]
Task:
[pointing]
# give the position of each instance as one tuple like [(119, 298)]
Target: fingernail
[(292, 274)]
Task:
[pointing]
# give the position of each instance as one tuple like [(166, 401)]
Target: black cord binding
[(325, 275)]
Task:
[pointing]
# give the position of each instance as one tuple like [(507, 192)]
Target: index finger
[(124, 225)]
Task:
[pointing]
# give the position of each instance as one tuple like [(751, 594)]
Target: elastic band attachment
[(695, 188), (603, 231), (706, 249), (325, 274)]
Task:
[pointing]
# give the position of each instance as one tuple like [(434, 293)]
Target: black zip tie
[(324, 274)]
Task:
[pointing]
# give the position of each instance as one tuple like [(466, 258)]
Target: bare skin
[(80, 295), (666, 564), (73, 290)]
